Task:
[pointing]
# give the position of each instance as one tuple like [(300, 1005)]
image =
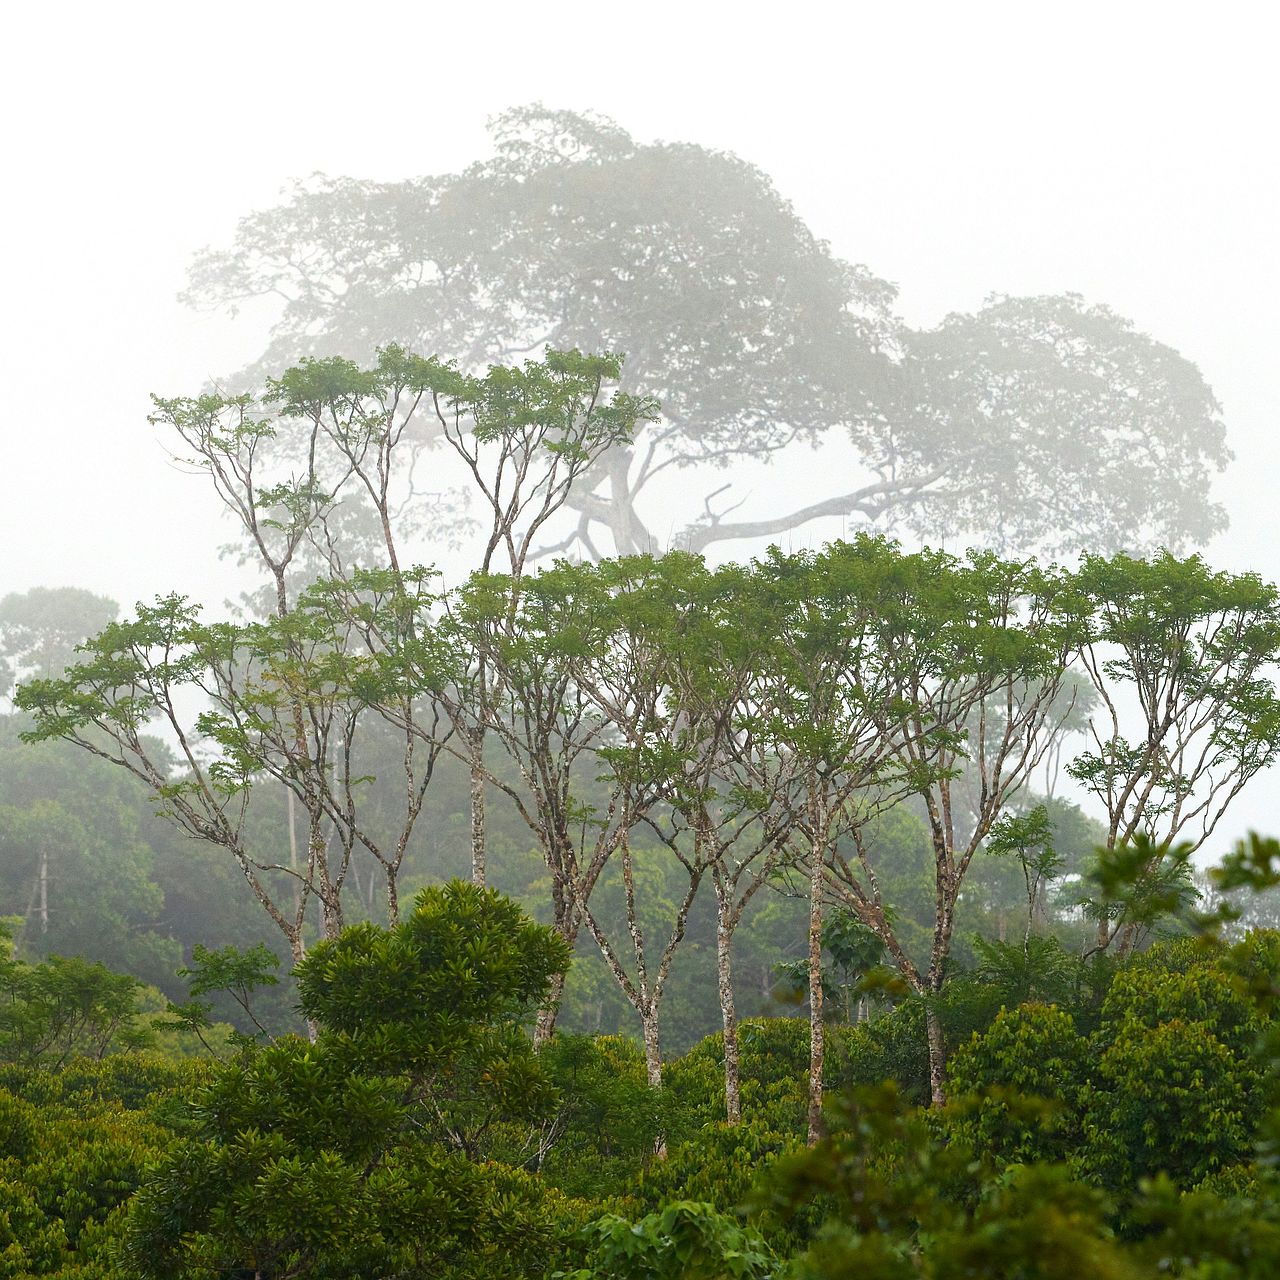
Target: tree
[(1035, 420), (40, 629), (289, 701), (820, 693), (61, 1007), (659, 678), (1187, 713), (532, 640), (971, 658), (728, 801), (349, 1155), (536, 432)]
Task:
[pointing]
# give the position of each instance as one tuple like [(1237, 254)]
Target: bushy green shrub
[(720, 1164), (361, 1154), (685, 1240), (603, 1128), (1024, 1076), (1157, 988), (74, 1146), (1168, 1099), (1178, 1087)]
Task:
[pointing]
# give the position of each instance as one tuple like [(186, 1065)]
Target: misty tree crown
[(1033, 423)]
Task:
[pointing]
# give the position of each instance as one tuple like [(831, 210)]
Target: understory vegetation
[(1126, 1127)]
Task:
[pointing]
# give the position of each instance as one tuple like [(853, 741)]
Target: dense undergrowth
[(1126, 1128)]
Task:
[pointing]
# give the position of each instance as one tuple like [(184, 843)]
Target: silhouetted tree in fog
[(1033, 421)]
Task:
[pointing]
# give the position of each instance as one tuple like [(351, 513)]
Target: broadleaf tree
[(1034, 421)]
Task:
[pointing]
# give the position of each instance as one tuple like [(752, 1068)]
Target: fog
[(955, 152)]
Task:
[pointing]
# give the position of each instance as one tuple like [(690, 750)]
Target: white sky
[(1123, 151)]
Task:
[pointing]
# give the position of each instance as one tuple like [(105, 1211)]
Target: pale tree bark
[(728, 1006), (476, 770), (937, 1056), (817, 1037), (44, 891)]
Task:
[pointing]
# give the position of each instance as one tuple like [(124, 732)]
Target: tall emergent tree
[(1032, 421)]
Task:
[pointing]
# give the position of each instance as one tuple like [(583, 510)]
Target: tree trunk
[(653, 1061), (331, 917), (630, 537), (298, 950), (393, 898), (728, 1013), (565, 923), (44, 891), (652, 1047), (293, 851), (477, 806), (817, 1042), (937, 1053), (545, 1027)]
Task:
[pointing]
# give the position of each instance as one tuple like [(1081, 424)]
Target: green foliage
[(1227, 1228), (1141, 884), (773, 1056), (1191, 649), (685, 1240), (607, 1119), (1178, 1086), (332, 1158), (40, 629), (1169, 1099), (1040, 969), (1026, 1073), (232, 970), (1185, 982), (64, 1006), (79, 859), (902, 1205), (720, 1163), (75, 1144)]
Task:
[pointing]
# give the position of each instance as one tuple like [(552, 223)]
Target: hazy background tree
[(1034, 421)]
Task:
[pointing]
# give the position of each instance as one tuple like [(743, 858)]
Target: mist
[(1118, 157), (639, 612)]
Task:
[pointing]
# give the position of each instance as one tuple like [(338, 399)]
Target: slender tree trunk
[(298, 951), (565, 921), (817, 1041), (393, 897), (293, 849), (545, 1027), (652, 1047), (937, 1053), (330, 902), (44, 891), (477, 806), (728, 1012), (653, 1060)]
